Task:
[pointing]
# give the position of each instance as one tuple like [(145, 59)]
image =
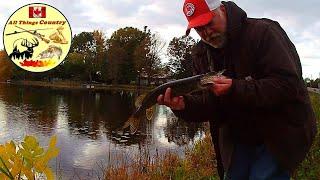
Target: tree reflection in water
[(87, 122), (181, 132)]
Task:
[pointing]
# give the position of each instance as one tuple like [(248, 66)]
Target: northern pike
[(178, 88), (51, 52)]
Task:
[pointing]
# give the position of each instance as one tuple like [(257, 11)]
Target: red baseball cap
[(198, 12)]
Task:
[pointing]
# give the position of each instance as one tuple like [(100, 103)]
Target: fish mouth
[(206, 82)]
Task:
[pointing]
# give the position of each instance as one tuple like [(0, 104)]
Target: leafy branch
[(27, 159)]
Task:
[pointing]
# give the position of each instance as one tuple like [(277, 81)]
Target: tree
[(179, 53), (72, 67), (99, 62), (121, 46), (147, 55), (92, 47), (313, 83), (83, 44), (6, 66), (116, 58)]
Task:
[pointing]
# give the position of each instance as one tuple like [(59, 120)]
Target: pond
[(87, 125)]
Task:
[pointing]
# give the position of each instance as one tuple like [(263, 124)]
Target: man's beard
[(216, 41)]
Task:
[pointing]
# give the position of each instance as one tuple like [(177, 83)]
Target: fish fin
[(194, 91), (132, 123), (150, 112), (139, 100), (220, 73), (127, 123)]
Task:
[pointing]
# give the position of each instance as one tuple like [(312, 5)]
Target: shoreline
[(78, 85), (74, 85)]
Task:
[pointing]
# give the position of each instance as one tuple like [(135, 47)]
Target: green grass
[(310, 167)]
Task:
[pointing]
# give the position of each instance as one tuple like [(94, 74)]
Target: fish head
[(207, 79)]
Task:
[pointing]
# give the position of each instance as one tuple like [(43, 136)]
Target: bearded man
[(260, 115)]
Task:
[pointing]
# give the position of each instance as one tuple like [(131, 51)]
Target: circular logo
[(37, 37), (189, 9)]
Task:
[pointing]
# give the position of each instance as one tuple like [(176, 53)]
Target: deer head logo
[(16, 54)]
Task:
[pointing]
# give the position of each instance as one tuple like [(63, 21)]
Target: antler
[(36, 42), (29, 44)]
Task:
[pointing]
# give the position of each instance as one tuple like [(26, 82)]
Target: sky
[(300, 19)]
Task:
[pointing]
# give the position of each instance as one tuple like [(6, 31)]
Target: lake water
[(86, 124)]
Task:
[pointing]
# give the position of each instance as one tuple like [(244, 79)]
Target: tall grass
[(310, 167), (198, 163)]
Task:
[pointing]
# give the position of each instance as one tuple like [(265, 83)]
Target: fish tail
[(132, 123), (150, 112), (138, 100)]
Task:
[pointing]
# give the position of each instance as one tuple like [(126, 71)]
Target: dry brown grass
[(198, 163)]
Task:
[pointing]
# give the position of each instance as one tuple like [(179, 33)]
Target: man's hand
[(221, 85), (175, 103)]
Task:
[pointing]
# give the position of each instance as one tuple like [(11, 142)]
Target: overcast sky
[(299, 18)]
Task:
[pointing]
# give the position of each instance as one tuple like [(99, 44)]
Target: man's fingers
[(220, 89), (221, 86), (175, 103), (167, 96), (221, 77), (175, 100), (160, 99), (222, 81), (181, 100)]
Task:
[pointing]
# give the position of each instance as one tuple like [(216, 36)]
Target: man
[(260, 115)]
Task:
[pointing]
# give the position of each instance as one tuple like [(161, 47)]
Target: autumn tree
[(120, 49), (155, 46), (91, 46), (147, 55), (117, 57), (179, 53), (6, 66), (72, 67), (100, 55), (83, 44), (8, 70)]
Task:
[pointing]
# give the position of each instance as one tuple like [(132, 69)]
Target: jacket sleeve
[(277, 61), (198, 107)]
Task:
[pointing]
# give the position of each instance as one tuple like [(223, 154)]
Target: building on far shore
[(157, 79)]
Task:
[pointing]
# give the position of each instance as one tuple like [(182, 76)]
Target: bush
[(26, 159)]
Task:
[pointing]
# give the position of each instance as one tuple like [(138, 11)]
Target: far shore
[(77, 85)]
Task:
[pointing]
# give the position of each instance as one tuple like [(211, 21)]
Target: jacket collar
[(236, 18)]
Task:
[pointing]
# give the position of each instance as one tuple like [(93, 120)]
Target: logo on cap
[(189, 9)]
